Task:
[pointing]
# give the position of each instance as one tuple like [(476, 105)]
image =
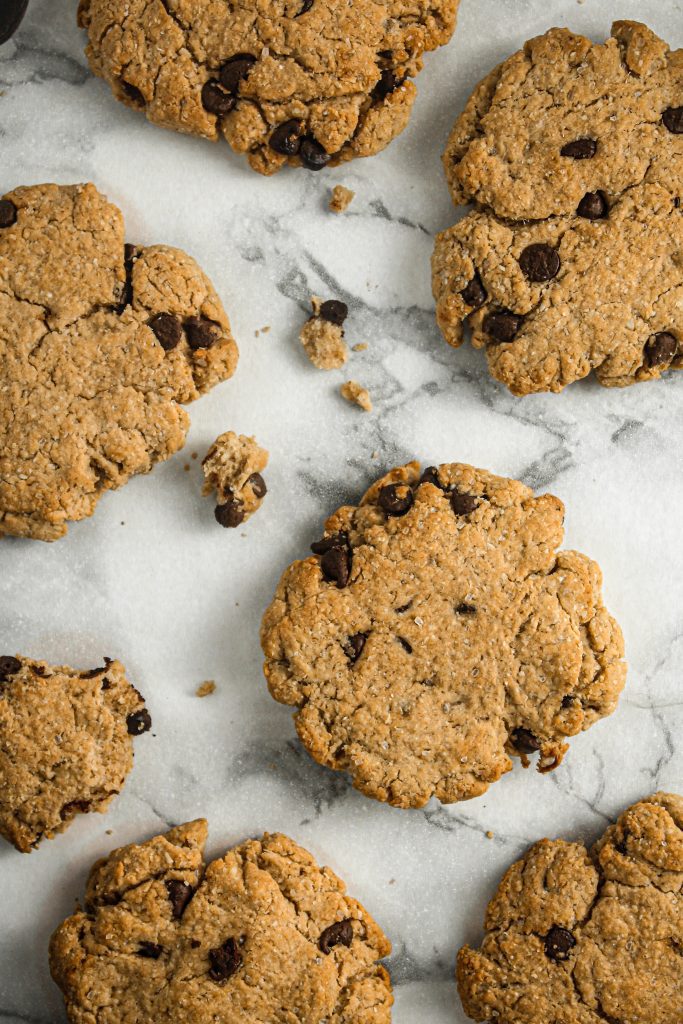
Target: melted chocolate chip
[(167, 329), (286, 138), (660, 349), (150, 950), (338, 934), (230, 514), (8, 213), (524, 741), (313, 155), (258, 485), (539, 262), (234, 70), (336, 566), (388, 82), (201, 332), (180, 894), (593, 206), (673, 120), (405, 644), (353, 648), (9, 666), (132, 93), (431, 476), (466, 609), (502, 326), (474, 293), (395, 499), (334, 311), (558, 943), (139, 722), (224, 961), (580, 149), (568, 700), (336, 540), (216, 100), (463, 504)]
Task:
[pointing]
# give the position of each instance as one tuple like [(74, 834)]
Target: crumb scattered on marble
[(360, 347), (206, 688), (354, 392), (109, 831), (489, 834), (186, 467), (341, 197), (232, 468), (194, 455), (322, 336), (375, 455)]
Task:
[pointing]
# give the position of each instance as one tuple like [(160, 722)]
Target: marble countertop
[(152, 580)]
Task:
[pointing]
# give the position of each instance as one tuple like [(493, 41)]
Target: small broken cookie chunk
[(66, 744), (206, 688), (341, 198), (598, 935), (449, 583), (101, 342), (322, 335), (354, 392), (232, 468), (165, 936)]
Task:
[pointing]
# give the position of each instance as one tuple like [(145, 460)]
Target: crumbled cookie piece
[(449, 585), (260, 934), (99, 343), (356, 393), (66, 744), (206, 688), (341, 198), (323, 334), (232, 468), (598, 936)]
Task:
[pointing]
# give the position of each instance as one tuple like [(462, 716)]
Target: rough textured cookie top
[(99, 342), (436, 631), (260, 935), (305, 82), (587, 939)]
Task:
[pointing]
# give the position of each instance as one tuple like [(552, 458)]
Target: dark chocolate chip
[(39, 670), (466, 609), (593, 206), (580, 149), (167, 329), (395, 499), (258, 485), (336, 566), (9, 666), (568, 700), (11, 14), (150, 950), (139, 722), (305, 7), (286, 138), (90, 673), (673, 120), (405, 644), (313, 155), (338, 934), (660, 349), (230, 514), (216, 100), (235, 69), (8, 213), (524, 741), (195, 943), (353, 648), (132, 93), (388, 82), (201, 332), (463, 504), (431, 476), (180, 894), (106, 684), (334, 311), (539, 262), (224, 960), (336, 540), (474, 293), (558, 942), (502, 326)]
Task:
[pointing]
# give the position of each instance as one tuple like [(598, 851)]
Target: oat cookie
[(66, 744), (322, 336), (571, 260), (304, 82), (587, 939), (260, 935), (437, 631), (232, 468), (99, 342)]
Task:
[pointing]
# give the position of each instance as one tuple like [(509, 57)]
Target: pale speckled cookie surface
[(262, 935), (575, 938), (436, 631), (284, 81), (98, 345), (66, 744)]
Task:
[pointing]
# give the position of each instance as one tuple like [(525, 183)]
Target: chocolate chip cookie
[(437, 631), (304, 82), (99, 342), (587, 938), (260, 934), (232, 468), (66, 744), (570, 262)]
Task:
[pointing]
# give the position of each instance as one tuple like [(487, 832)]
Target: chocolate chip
[(396, 499), (474, 293), (463, 504), (580, 149), (353, 648), (224, 960), (593, 206), (90, 673), (11, 14), (106, 684), (431, 476), (673, 120), (167, 329), (334, 311), (8, 213), (180, 894), (558, 942), (336, 540), (405, 644), (305, 7), (127, 292), (539, 262), (132, 93), (286, 138), (150, 950), (74, 807), (568, 700), (338, 934), (502, 326), (336, 566), (313, 155), (216, 100), (201, 332), (404, 608), (9, 666), (258, 485), (524, 741), (466, 609), (195, 943), (660, 349), (230, 514), (139, 722), (235, 69), (388, 82)]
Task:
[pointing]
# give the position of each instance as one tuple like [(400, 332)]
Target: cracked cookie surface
[(436, 631), (98, 345), (262, 935), (66, 744), (303, 82), (572, 259), (587, 939)]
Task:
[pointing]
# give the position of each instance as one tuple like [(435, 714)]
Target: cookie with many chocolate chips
[(304, 82), (571, 153), (99, 343), (436, 631), (66, 744), (260, 934), (587, 938)]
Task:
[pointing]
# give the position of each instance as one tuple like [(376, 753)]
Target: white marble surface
[(151, 578)]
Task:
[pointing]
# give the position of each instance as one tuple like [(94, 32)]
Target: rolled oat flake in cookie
[(441, 609)]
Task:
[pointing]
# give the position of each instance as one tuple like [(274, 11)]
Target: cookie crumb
[(206, 688), (360, 347), (232, 468), (194, 455), (186, 467), (352, 391), (341, 198), (322, 336), (489, 834), (264, 330)]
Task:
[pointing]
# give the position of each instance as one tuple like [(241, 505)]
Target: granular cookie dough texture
[(99, 342), (341, 198), (354, 392), (304, 82), (66, 744), (322, 336), (232, 468), (258, 936), (570, 262), (437, 631), (583, 938)]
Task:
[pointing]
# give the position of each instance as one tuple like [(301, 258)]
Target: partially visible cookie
[(99, 343), (260, 934), (587, 939), (322, 336), (66, 744), (437, 631), (232, 468)]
